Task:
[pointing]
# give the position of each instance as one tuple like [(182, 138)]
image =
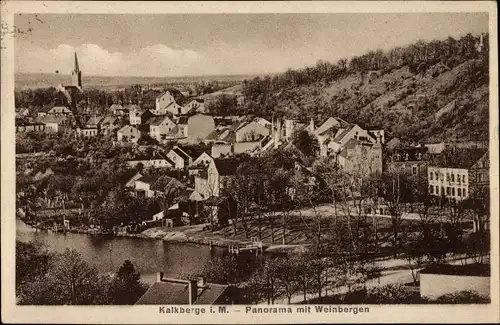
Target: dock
[(254, 246)]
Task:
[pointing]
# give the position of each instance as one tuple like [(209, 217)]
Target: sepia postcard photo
[(279, 162)]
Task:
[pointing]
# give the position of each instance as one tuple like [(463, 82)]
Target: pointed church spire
[(76, 68), (76, 74)]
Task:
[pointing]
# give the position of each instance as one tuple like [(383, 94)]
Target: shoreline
[(182, 235)]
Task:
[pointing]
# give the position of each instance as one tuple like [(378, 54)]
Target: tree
[(306, 143), (266, 280), (68, 281), (396, 191), (228, 269), (243, 189), (32, 261), (127, 287), (222, 105)]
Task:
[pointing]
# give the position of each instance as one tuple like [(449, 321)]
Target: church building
[(72, 91)]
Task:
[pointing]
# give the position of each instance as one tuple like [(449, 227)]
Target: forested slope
[(423, 92)]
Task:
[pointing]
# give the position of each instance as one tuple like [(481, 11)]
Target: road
[(398, 276)]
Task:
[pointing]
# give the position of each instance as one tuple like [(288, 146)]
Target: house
[(242, 136), (245, 130), (131, 107), (155, 161), (251, 131), (118, 110), (131, 182), (435, 147), (200, 163), (165, 184), (94, 121), (109, 125), (138, 116), (142, 186), (455, 172), (59, 110), (412, 160), (22, 112), (441, 279), (196, 105), (183, 126), (152, 186), (166, 291), (230, 149), (165, 102), (128, 133), (176, 133), (45, 109), (219, 172), (199, 126), (160, 126), (343, 135), (334, 133), (360, 158), (23, 125), (179, 157), (55, 123), (54, 109), (203, 159), (263, 122), (87, 131)]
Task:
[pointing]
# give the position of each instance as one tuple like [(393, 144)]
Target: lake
[(108, 253)]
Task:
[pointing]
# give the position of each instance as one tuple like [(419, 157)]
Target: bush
[(392, 294), (463, 297)]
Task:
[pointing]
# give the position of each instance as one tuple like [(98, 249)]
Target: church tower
[(76, 75)]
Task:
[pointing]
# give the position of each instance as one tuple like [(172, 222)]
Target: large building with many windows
[(457, 172)]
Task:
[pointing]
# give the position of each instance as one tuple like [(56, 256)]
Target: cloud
[(162, 60), (156, 60)]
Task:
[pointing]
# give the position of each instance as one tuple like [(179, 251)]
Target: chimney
[(193, 291), (159, 276)]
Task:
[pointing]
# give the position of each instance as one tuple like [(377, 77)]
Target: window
[(459, 191), (402, 169), (452, 191), (431, 174), (448, 190), (447, 177), (452, 177), (437, 190), (464, 192), (479, 177), (431, 189), (414, 170), (463, 178), (458, 179)]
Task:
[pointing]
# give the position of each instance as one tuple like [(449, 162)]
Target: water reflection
[(108, 253)]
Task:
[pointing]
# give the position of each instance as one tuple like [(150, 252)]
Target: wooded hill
[(427, 91)]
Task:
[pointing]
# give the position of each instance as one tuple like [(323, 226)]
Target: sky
[(219, 44)]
